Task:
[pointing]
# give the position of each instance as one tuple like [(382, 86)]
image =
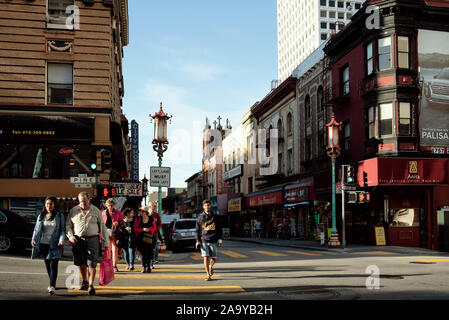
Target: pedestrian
[(84, 227), (144, 228), (113, 220), (48, 239), (258, 228), (208, 235), (129, 238), (157, 219)]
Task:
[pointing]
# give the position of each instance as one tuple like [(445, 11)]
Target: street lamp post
[(145, 188), (333, 151), (160, 143)]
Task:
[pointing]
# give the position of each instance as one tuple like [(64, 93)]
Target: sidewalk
[(350, 248)]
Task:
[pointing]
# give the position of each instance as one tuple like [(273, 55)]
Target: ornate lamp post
[(333, 151), (145, 188), (160, 143)]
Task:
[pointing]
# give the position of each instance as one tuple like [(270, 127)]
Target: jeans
[(147, 255), (130, 255), (156, 252), (51, 265)]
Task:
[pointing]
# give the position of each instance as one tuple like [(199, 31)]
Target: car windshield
[(444, 74), (189, 224)]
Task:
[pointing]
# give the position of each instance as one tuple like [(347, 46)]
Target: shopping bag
[(106, 269), (162, 247)]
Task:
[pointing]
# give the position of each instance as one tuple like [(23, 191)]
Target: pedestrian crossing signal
[(364, 197), (350, 174), (107, 191)]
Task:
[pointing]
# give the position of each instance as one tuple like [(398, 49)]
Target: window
[(323, 2), (340, 4), (307, 108), (341, 15), (290, 160), (403, 53), (57, 14), (345, 80), (250, 184), (323, 25), (386, 119), (308, 148), (371, 123), (346, 136), (323, 14), (369, 59), (289, 124), (320, 99), (405, 118), (332, 14), (331, 3), (59, 83), (384, 53), (358, 6), (323, 36)]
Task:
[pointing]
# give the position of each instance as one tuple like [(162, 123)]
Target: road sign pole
[(343, 235)]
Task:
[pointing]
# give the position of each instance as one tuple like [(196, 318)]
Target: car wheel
[(6, 243)]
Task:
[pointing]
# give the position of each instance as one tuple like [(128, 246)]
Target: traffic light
[(106, 191), (105, 159), (364, 197), (365, 179), (93, 161), (350, 174)]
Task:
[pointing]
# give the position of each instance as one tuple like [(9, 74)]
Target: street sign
[(349, 188), (80, 179), (83, 185), (132, 189), (160, 176)]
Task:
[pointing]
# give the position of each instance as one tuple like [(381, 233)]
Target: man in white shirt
[(84, 226)]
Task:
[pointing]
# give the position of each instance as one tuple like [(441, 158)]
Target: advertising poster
[(433, 48)]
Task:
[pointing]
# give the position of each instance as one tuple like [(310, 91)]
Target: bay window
[(386, 119), (384, 53)]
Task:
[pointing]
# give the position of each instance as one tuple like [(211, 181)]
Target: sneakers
[(131, 268), (51, 290), (91, 291), (84, 286)]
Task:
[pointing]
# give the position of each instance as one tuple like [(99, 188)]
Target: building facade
[(390, 93), (303, 25), (61, 98)]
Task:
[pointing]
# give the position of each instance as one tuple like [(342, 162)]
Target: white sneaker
[(51, 290)]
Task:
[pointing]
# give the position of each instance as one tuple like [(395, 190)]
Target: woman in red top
[(144, 224), (113, 219)]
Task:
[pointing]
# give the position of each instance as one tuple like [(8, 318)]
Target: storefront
[(265, 206), (236, 216), (303, 221), (403, 194)]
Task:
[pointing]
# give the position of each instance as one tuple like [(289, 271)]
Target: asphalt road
[(246, 271)]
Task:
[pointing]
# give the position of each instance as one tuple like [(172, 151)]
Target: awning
[(264, 197), (402, 171), (303, 203)]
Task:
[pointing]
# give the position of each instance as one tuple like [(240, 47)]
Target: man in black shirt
[(208, 236)]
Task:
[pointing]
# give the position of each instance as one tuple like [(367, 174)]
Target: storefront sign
[(296, 194), (380, 236), (134, 151), (395, 171), (132, 189), (235, 205), (234, 172), (265, 199), (48, 128)]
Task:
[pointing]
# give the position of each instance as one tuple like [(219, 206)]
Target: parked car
[(436, 90), (181, 233), (15, 232)]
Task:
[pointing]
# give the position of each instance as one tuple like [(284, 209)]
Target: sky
[(200, 58)]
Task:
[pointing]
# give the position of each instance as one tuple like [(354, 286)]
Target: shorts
[(209, 249), (86, 252)]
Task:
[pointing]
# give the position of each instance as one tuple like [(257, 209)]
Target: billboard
[(134, 151), (433, 49)]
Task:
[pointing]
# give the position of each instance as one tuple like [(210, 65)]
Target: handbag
[(147, 238), (106, 269)]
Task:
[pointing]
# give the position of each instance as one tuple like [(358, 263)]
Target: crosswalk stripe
[(233, 254), (196, 256), (374, 252), (434, 260), (421, 257), (124, 271), (164, 289), (270, 253), (159, 276), (304, 253)]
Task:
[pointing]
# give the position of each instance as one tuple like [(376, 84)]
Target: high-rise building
[(304, 24)]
